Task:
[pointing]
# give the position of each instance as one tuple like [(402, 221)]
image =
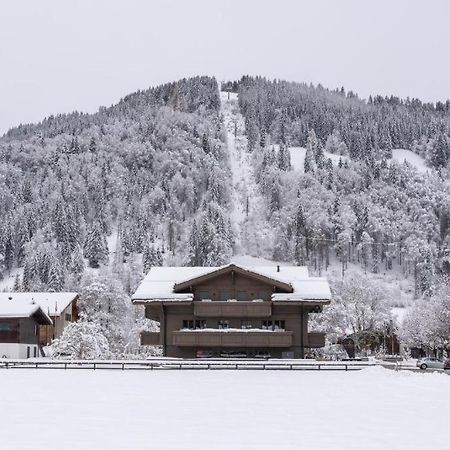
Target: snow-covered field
[(401, 155), (298, 157), (371, 409)]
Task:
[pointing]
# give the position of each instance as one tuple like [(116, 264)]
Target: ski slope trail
[(247, 209)]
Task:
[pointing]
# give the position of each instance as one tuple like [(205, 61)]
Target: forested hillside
[(369, 129), (365, 209), (173, 175), (144, 167)]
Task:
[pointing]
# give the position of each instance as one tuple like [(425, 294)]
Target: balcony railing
[(232, 338), (316, 340), (232, 309)]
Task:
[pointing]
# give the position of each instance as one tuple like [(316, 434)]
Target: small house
[(61, 307), (20, 320)]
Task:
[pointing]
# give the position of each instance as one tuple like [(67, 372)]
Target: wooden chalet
[(232, 310), (60, 307), (20, 320)]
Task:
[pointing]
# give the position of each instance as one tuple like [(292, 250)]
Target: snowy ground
[(371, 409), (298, 158), (7, 283), (401, 155)]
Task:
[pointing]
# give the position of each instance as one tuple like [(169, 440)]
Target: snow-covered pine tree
[(95, 247)]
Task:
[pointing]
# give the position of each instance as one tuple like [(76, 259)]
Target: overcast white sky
[(60, 56)]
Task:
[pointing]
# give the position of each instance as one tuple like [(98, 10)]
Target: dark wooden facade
[(19, 336), (232, 311), (47, 333)]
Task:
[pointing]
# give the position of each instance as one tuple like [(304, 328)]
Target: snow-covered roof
[(12, 306), (159, 283), (307, 289), (52, 303)]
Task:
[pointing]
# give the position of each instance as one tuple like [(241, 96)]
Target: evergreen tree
[(440, 152), (95, 247)]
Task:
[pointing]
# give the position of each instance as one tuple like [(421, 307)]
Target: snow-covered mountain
[(182, 174)]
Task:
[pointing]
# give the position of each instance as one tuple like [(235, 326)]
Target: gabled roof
[(52, 303), (162, 283), (248, 272), (22, 307)]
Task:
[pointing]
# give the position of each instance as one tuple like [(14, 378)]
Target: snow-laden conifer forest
[(184, 174)]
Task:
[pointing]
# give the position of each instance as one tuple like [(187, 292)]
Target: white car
[(431, 363)]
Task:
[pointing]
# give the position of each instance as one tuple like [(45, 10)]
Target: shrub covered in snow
[(81, 340)]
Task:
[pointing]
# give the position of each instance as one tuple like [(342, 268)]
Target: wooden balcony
[(316, 340), (150, 338), (232, 338), (232, 309)]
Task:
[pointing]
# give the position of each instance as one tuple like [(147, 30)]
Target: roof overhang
[(41, 318), (232, 268)]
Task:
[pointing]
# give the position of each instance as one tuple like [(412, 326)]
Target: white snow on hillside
[(242, 410), (246, 260), (7, 283), (298, 158), (247, 209), (401, 155)]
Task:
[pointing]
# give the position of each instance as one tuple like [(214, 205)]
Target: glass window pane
[(224, 295), (264, 295), (242, 296), (203, 295)]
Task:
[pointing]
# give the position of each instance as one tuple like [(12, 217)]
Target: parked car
[(432, 363)]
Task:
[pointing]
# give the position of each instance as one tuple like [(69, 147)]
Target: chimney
[(278, 268)]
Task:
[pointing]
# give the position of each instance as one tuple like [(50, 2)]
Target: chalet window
[(264, 295), (222, 324), (246, 324), (68, 317), (242, 296), (5, 327), (203, 295), (273, 324), (224, 296), (194, 324)]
